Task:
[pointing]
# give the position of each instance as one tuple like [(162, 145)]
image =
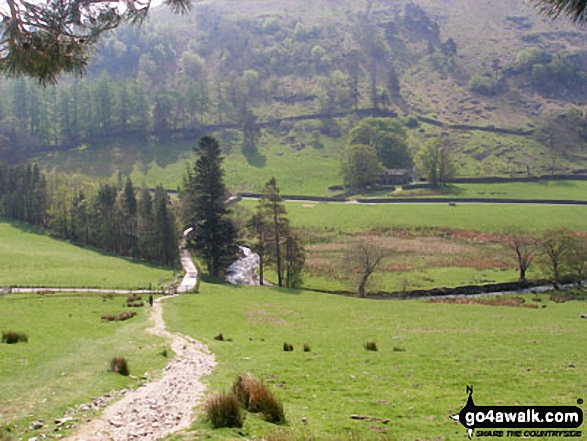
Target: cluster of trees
[(373, 145), (214, 233), (274, 240), (561, 253), (115, 218), (23, 194), (139, 83)]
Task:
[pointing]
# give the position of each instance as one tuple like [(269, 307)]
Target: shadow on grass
[(22, 226), (255, 158)]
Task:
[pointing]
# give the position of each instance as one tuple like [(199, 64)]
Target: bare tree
[(526, 250), (365, 255)]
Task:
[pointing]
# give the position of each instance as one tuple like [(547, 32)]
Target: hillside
[(228, 67)]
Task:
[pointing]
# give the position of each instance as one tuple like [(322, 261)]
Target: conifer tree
[(203, 208), (165, 230), (273, 211)]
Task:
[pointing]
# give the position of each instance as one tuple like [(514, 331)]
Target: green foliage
[(485, 85), (276, 243), (203, 208), (438, 163), (360, 166), (387, 136), (223, 410), (573, 9), (527, 58), (44, 41)]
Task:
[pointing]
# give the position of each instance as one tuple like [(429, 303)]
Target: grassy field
[(354, 218), (554, 190), (427, 354), (29, 257), (66, 359)]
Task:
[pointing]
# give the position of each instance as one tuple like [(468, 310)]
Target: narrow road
[(163, 406)]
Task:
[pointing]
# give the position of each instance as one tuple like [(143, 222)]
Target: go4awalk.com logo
[(520, 421)]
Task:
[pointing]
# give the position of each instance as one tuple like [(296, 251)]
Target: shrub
[(120, 317), (120, 366), (287, 347), (306, 347), (254, 396), (135, 304), (219, 337), (370, 346), (223, 410), (11, 337)]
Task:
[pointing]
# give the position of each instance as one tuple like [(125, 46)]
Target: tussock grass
[(287, 347), (118, 317), (256, 397), (223, 410), (11, 337), (119, 365), (370, 346)]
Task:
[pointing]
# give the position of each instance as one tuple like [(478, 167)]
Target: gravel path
[(163, 406)]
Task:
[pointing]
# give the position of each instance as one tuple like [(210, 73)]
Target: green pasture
[(553, 190), (28, 257), (309, 171), (66, 359), (348, 218), (427, 354)]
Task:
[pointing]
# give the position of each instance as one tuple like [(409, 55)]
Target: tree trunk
[(363, 284), (522, 275)]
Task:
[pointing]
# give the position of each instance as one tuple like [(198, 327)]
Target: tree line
[(115, 218)]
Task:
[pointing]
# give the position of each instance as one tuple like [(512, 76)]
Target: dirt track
[(160, 407)]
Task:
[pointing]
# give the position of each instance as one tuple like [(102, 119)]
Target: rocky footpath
[(160, 407)]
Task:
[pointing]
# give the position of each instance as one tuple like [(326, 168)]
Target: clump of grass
[(287, 347), (165, 353), (307, 347), (223, 410), (370, 346), (399, 349), (5, 434), (256, 397), (118, 318), (134, 301), (11, 337), (119, 365), (219, 337)]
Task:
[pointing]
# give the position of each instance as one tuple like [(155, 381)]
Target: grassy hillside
[(66, 359), (417, 377), (296, 62), (31, 258)]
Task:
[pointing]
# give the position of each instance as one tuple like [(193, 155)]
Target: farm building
[(396, 176)]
